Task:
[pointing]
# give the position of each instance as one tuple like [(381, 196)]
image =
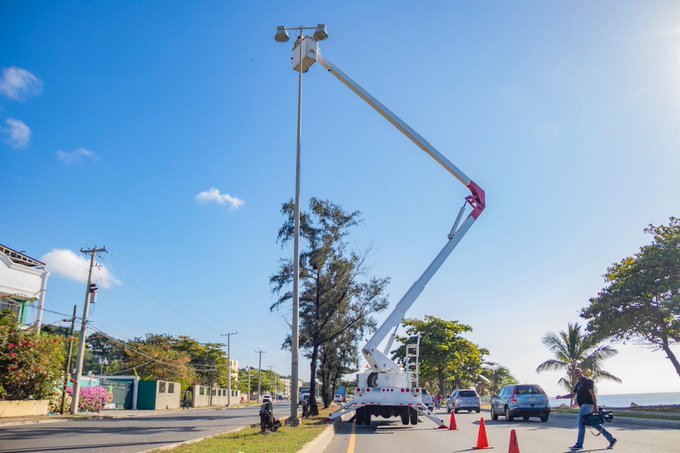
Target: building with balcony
[(23, 281)]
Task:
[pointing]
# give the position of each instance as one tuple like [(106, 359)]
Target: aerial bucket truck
[(387, 389)]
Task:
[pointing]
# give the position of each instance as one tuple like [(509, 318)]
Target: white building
[(23, 280)]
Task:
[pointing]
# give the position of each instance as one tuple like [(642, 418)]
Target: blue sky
[(567, 115)]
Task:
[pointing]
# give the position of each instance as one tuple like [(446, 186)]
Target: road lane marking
[(352, 440)]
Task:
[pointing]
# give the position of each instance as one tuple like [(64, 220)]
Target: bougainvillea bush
[(30, 365), (92, 399)]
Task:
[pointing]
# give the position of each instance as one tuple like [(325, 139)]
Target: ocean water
[(624, 400)]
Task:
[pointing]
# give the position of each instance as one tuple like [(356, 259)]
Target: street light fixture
[(281, 34), (320, 33)]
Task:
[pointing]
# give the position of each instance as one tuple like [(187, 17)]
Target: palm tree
[(498, 377), (576, 349)]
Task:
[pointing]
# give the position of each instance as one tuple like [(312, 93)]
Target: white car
[(267, 398), (428, 400), (338, 398)]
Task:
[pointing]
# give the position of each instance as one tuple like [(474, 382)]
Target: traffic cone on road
[(452, 423), (514, 446), (482, 441)]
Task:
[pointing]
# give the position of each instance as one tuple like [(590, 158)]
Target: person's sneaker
[(611, 444), (575, 448)]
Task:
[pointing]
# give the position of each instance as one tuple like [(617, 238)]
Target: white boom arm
[(379, 360)]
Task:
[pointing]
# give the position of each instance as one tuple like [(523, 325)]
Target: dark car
[(521, 400)]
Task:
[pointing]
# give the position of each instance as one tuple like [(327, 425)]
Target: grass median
[(250, 440)]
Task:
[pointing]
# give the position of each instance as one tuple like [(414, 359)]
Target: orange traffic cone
[(482, 441), (514, 446), (452, 423)]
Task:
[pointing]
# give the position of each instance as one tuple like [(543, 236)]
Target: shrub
[(30, 365), (92, 399)]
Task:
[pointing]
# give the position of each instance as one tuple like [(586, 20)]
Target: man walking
[(584, 390)]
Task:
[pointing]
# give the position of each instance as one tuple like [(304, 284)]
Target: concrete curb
[(633, 421), (320, 442)]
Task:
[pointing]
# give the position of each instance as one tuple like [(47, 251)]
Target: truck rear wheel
[(367, 416), (414, 417), (359, 416), (404, 415)]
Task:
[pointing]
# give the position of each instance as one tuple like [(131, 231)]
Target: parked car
[(338, 398), (428, 400), (266, 398), (463, 399), (521, 400)]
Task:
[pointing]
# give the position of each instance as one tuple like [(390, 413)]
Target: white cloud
[(214, 195), (17, 133), (19, 84), (74, 267), (75, 156)]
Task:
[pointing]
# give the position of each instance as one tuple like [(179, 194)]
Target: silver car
[(521, 400), (463, 399)]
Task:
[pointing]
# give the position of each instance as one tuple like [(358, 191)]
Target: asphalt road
[(389, 435), (131, 434)]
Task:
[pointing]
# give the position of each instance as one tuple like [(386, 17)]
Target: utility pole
[(249, 391), (83, 326), (276, 390), (228, 335), (67, 368), (259, 375)]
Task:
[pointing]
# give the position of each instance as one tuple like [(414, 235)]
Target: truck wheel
[(359, 416), (367, 416), (414, 417), (544, 418), (404, 416)]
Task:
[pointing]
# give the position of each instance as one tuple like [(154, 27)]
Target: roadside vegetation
[(337, 296), (250, 440), (577, 349), (640, 303)]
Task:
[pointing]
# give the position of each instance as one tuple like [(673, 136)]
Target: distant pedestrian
[(186, 399), (584, 390)]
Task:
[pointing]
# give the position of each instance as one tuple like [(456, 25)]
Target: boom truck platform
[(387, 390)]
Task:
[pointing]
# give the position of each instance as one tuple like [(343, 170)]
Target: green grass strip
[(249, 440)]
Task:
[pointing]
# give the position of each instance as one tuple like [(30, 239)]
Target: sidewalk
[(104, 415)]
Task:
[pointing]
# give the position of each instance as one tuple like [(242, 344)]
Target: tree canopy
[(446, 358), (337, 298), (641, 300)]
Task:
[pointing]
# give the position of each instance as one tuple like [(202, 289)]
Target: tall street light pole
[(320, 34), (228, 335)]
